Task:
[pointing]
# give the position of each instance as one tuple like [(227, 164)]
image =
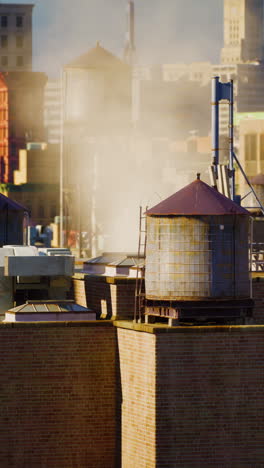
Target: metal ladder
[(140, 290)]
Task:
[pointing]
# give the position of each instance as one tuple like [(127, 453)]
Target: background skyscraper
[(15, 37), (243, 31)]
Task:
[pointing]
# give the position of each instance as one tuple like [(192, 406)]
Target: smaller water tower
[(197, 256)]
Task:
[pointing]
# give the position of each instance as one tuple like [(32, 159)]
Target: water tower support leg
[(173, 322)]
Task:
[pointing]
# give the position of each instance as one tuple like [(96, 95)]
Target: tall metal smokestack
[(130, 49)]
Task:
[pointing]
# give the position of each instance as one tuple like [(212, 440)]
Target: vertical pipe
[(94, 236), (61, 159), (215, 122), (137, 299), (79, 221), (132, 25), (129, 52), (26, 235), (231, 141)]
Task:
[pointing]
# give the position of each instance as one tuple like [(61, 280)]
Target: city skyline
[(168, 33)]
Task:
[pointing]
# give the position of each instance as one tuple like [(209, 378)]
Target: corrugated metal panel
[(197, 198), (197, 258), (49, 306)]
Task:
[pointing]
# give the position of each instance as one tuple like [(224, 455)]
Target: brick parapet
[(81, 393), (137, 374), (158, 328), (58, 395), (208, 401), (209, 395)]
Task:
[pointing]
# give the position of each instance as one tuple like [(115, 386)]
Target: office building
[(251, 152), (21, 117), (243, 31), (15, 37)]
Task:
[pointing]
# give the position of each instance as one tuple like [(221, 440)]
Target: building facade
[(36, 182), (251, 151), (21, 117), (53, 111), (243, 31), (15, 37)]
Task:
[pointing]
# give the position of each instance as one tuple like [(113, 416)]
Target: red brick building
[(21, 117)]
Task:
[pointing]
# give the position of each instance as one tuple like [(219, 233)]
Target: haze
[(167, 31)]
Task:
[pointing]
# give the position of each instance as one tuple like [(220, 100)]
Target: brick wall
[(137, 370), (123, 299), (58, 395), (118, 295), (258, 296), (210, 399), (207, 406), (90, 290), (189, 397)]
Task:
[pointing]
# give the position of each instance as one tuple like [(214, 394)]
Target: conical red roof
[(198, 199)]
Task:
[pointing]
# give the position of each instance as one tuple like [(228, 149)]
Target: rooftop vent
[(49, 311)]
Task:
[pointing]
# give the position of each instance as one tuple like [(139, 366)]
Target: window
[(4, 60), (4, 42), (19, 41), (19, 21), (4, 21), (251, 147), (20, 61)]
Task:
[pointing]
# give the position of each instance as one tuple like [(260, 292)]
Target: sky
[(167, 31)]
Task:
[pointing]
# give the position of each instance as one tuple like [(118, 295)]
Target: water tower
[(197, 256)]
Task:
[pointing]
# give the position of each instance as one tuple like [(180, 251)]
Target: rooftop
[(16, 5), (198, 199)]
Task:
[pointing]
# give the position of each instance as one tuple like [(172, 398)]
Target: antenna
[(129, 51)]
